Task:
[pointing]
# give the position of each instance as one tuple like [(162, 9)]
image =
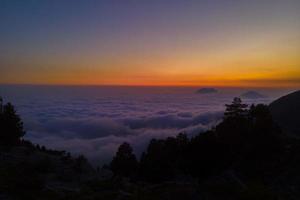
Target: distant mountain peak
[(252, 95), (207, 91)]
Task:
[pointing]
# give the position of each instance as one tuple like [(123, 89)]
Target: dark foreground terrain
[(246, 156)]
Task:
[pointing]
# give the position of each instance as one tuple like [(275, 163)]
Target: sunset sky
[(134, 42)]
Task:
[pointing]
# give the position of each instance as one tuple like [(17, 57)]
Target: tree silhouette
[(124, 162), (158, 162), (235, 109), (235, 126), (1, 105), (11, 126), (263, 143), (163, 159), (80, 162)]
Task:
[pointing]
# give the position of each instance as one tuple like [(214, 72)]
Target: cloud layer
[(99, 138), (94, 121)]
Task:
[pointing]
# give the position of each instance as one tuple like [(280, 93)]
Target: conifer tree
[(124, 162), (235, 109), (11, 126)]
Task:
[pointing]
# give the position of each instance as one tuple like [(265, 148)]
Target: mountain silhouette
[(252, 95), (206, 91), (286, 112)]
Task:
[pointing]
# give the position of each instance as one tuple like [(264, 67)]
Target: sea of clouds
[(94, 121)]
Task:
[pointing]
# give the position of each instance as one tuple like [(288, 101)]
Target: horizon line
[(133, 85)]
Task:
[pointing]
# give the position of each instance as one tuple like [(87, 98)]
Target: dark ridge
[(286, 112)]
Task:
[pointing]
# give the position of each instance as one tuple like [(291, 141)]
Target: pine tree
[(11, 126), (236, 109), (124, 163)]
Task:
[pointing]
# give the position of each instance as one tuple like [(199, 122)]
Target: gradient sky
[(136, 42)]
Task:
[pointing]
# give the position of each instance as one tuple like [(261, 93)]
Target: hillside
[(32, 172), (286, 112)]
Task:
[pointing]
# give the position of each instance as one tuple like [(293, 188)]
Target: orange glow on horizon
[(230, 44)]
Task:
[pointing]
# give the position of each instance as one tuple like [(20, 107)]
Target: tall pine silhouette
[(11, 126)]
